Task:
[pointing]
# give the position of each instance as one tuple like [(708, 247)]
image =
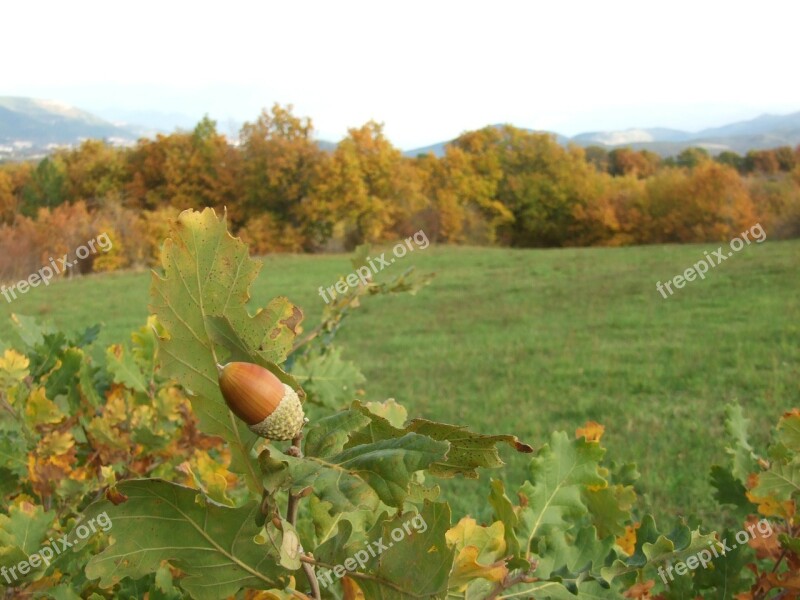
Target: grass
[(530, 341)]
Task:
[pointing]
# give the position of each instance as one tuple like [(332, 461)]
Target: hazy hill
[(766, 131), (43, 122)]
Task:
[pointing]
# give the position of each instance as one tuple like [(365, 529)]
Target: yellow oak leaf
[(592, 431), (627, 541), (55, 443), (481, 552), (116, 409), (770, 507), (13, 367), (39, 410), (466, 569)]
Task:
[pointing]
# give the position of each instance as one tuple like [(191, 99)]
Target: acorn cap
[(270, 408)]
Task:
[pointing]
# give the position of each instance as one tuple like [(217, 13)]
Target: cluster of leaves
[(69, 430), (756, 487), (202, 508)]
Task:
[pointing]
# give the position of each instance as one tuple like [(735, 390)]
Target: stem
[(319, 328), (291, 516), (509, 582), (6, 405), (310, 561)]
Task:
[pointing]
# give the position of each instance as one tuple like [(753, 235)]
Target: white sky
[(429, 70)]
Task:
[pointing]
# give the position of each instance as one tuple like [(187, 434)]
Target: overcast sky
[(428, 70)]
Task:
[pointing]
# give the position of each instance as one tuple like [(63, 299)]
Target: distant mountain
[(436, 149), (39, 123), (763, 125), (326, 145), (31, 128), (632, 136), (149, 120), (766, 131)]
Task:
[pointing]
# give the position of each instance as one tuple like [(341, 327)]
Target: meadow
[(530, 341)]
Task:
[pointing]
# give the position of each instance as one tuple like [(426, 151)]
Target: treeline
[(283, 193)]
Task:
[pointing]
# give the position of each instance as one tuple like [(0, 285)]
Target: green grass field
[(528, 341)]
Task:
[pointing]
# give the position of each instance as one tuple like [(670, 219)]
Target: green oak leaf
[(327, 378), (13, 449), (789, 430), (610, 508), (90, 386), (552, 498), (266, 341), (124, 369), (781, 481), (390, 410), (326, 522), (62, 380), (729, 490), (468, 450), (213, 544), (349, 539), (357, 476), (30, 330), (742, 454), (654, 549), (205, 285), (45, 356), (328, 436), (557, 590), (571, 553), (727, 574), (504, 511), (25, 527), (416, 565)]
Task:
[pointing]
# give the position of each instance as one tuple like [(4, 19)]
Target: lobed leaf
[(200, 302), (212, 544)]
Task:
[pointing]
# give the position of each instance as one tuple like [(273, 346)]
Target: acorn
[(269, 407)]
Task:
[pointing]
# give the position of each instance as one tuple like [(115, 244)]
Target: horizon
[(568, 69), (221, 127)]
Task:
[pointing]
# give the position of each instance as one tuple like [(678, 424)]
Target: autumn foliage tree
[(280, 162), (539, 182)]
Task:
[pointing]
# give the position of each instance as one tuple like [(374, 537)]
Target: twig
[(291, 516), (310, 561), (314, 333), (509, 582), (5, 404)]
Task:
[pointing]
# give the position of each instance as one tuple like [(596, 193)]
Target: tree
[(731, 159), (538, 182), (46, 187), (761, 161), (598, 156), (94, 172), (281, 165), (146, 177), (369, 187), (625, 161), (463, 207), (205, 170), (691, 157), (787, 159), (711, 202), (8, 201)]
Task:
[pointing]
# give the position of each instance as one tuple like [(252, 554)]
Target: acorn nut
[(269, 407)]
